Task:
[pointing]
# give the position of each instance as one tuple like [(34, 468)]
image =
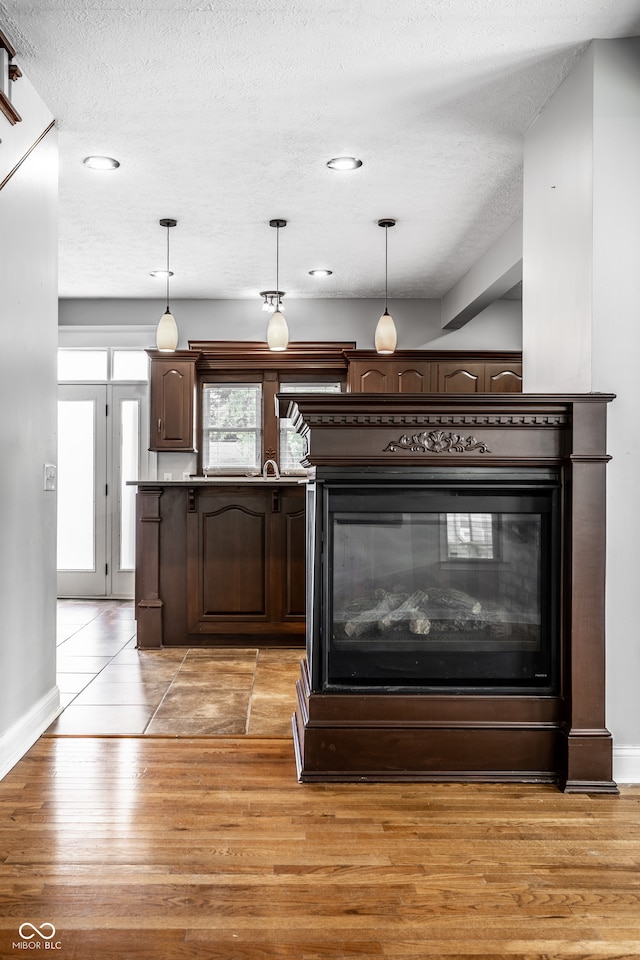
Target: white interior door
[(100, 430), (82, 490), (128, 422)]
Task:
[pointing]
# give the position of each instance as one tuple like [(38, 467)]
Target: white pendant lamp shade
[(386, 336), (167, 333), (277, 332), (277, 329), (167, 330)]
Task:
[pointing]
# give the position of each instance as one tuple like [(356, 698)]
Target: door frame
[(107, 579)]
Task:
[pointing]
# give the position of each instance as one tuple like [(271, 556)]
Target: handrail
[(4, 182)]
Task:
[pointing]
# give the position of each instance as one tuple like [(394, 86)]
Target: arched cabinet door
[(390, 375), (475, 377), (501, 379), (460, 377), (172, 388), (415, 379), (365, 378)]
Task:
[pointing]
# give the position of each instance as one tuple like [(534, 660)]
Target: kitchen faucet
[(265, 470)]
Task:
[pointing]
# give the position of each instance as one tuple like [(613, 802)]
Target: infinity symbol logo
[(40, 931)]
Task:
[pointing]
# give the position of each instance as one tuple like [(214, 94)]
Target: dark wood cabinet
[(220, 563), (246, 559), (421, 371), (462, 376), (388, 375), (172, 398), (459, 376), (174, 378), (503, 378)]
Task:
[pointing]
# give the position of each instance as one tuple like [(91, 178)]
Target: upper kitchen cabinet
[(172, 397), (464, 375), (422, 371), (403, 372)]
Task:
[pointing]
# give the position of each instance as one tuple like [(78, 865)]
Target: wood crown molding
[(252, 354)]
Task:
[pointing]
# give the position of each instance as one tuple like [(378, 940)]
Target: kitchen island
[(220, 561)]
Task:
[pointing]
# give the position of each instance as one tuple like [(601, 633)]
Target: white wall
[(581, 307), (418, 321), (558, 238), (616, 348), (29, 698)]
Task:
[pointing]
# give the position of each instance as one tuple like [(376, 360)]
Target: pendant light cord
[(168, 311), (278, 268), (386, 266)]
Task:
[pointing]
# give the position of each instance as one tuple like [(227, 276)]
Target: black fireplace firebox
[(440, 583), (456, 549)]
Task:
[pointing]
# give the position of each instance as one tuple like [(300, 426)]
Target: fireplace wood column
[(587, 761)]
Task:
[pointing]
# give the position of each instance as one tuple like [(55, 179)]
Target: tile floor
[(109, 688)]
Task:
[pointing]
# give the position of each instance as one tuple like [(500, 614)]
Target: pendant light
[(386, 336), (167, 332), (277, 329)]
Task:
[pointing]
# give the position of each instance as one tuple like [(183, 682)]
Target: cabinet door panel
[(367, 379), (293, 560), (234, 560), (172, 404), (454, 378), (413, 379), (499, 379)]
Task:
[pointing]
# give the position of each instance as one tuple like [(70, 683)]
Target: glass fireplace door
[(441, 588)]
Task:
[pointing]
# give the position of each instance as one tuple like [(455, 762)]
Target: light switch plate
[(49, 476)]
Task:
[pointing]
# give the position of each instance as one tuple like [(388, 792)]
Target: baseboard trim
[(626, 764), (22, 735)]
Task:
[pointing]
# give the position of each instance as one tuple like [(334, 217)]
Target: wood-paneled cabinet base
[(220, 564)]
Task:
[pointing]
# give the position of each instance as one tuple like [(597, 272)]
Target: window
[(104, 364), (469, 535), (82, 365), (129, 365), (232, 428), (291, 443)]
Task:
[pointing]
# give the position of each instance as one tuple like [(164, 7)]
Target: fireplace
[(443, 583), (455, 589)]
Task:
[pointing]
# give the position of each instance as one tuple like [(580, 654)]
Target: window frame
[(240, 362), (247, 469)]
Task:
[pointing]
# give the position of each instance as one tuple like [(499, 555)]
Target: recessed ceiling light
[(320, 273), (101, 163), (163, 274), (344, 163)]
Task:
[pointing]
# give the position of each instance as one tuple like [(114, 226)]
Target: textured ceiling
[(224, 112)]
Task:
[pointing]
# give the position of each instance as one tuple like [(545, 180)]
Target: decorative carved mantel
[(559, 738)]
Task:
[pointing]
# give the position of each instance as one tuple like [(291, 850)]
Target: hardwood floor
[(207, 848), (110, 688), (170, 849)]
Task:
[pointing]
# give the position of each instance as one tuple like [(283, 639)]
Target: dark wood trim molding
[(255, 355), (6, 44), (6, 107), (9, 110), (148, 603), (29, 151)]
